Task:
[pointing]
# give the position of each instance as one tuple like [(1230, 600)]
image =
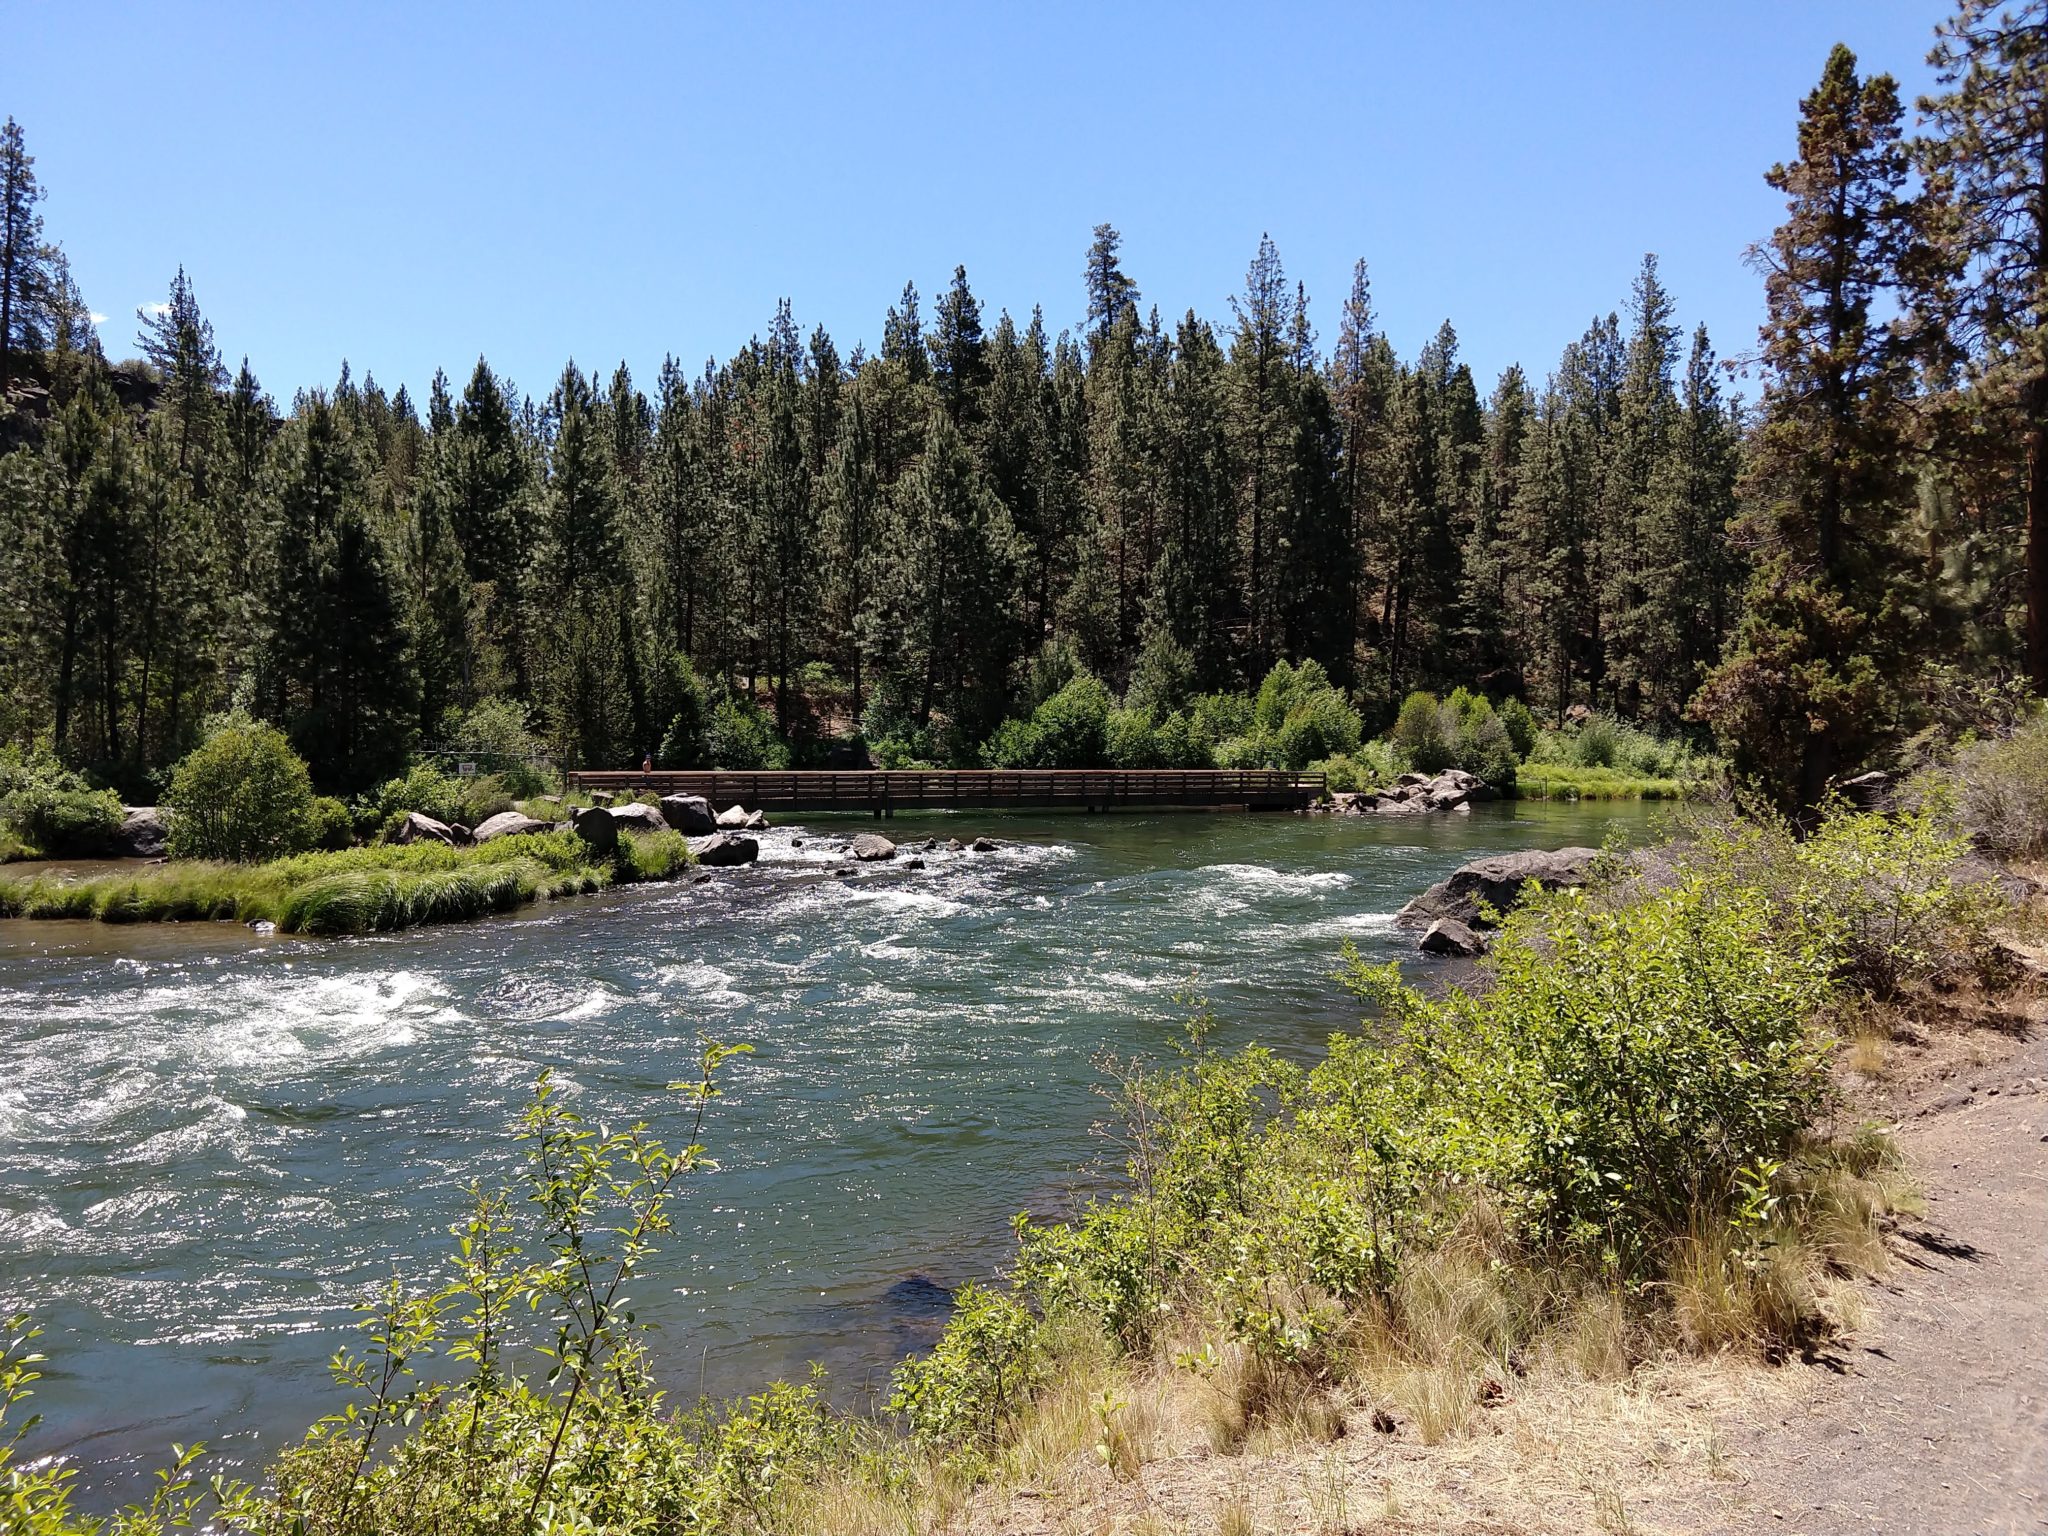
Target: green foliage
[(1372, 766), (977, 1378), (334, 824), (242, 795), (1419, 734), (1520, 725), (740, 735), (1069, 730), (52, 812), (1297, 718)]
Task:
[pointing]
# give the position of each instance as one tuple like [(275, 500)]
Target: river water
[(212, 1144)]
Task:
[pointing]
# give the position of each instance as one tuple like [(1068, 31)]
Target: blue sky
[(409, 185)]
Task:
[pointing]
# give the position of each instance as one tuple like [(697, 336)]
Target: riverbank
[(373, 889)]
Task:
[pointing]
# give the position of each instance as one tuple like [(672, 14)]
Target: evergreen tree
[(27, 278), (1111, 293), (1982, 281), (1807, 689), (178, 341)]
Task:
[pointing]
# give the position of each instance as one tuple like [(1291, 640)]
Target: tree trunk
[(2037, 533)]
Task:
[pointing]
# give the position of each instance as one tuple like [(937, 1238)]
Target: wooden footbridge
[(884, 792)]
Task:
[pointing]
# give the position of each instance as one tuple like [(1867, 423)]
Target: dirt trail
[(1934, 1418)]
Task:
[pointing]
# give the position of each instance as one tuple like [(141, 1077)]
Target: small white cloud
[(96, 317), (156, 309)]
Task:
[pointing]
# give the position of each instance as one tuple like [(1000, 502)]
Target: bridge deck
[(883, 792)]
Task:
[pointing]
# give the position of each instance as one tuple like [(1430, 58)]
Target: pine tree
[(1983, 285), (960, 355), (1111, 293), (1261, 375), (1807, 688), (178, 341), (26, 276)]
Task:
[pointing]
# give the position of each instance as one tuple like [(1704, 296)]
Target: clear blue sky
[(409, 185)]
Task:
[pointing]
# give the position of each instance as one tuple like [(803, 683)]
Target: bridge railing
[(911, 788)]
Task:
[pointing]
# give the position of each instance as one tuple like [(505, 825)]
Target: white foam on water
[(909, 903), (1261, 880), (700, 983)]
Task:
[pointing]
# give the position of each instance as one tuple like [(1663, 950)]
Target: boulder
[(913, 863), (1448, 936), (757, 821), (602, 797), (463, 836), (689, 815), (722, 849), (871, 846), (635, 817), (1497, 881), (597, 828), (954, 845), (982, 845), (141, 835), (733, 817), (509, 824), (419, 828)]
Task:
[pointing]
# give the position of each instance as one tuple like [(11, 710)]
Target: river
[(212, 1144)]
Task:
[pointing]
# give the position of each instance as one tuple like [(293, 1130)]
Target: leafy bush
[(243, 794), (53, 812), (978, 1377), (1520, 725), (1069, 730), (1163, 676), (423, 788), (740, 735), (1297, 718), (1372, 766), (334, 825), (1419, 734), (1132, 741)]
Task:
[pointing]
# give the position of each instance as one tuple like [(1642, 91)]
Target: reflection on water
[(212, 1145)]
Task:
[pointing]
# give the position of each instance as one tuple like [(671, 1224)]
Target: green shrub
[(1419, 734), (1069, 730), (1520, 725), (1372, 766), (423, 788), (52, 812), (243, 794), (1131, 740), (977, 1378), (739, 735), (334, 825), (1218, 717)]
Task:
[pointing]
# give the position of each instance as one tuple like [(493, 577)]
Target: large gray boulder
[(509, 824), (733, 817), (871, 846), (597, 827), (141, 835), (635, 817), (722, 849), (420, 828), (1497, 882), (689, 814)]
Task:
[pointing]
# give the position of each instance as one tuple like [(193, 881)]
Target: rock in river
[(689, 814), (597, 828), (1448, 936), (1498, 882), (870, 846), (722, 849), (635, 817)]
